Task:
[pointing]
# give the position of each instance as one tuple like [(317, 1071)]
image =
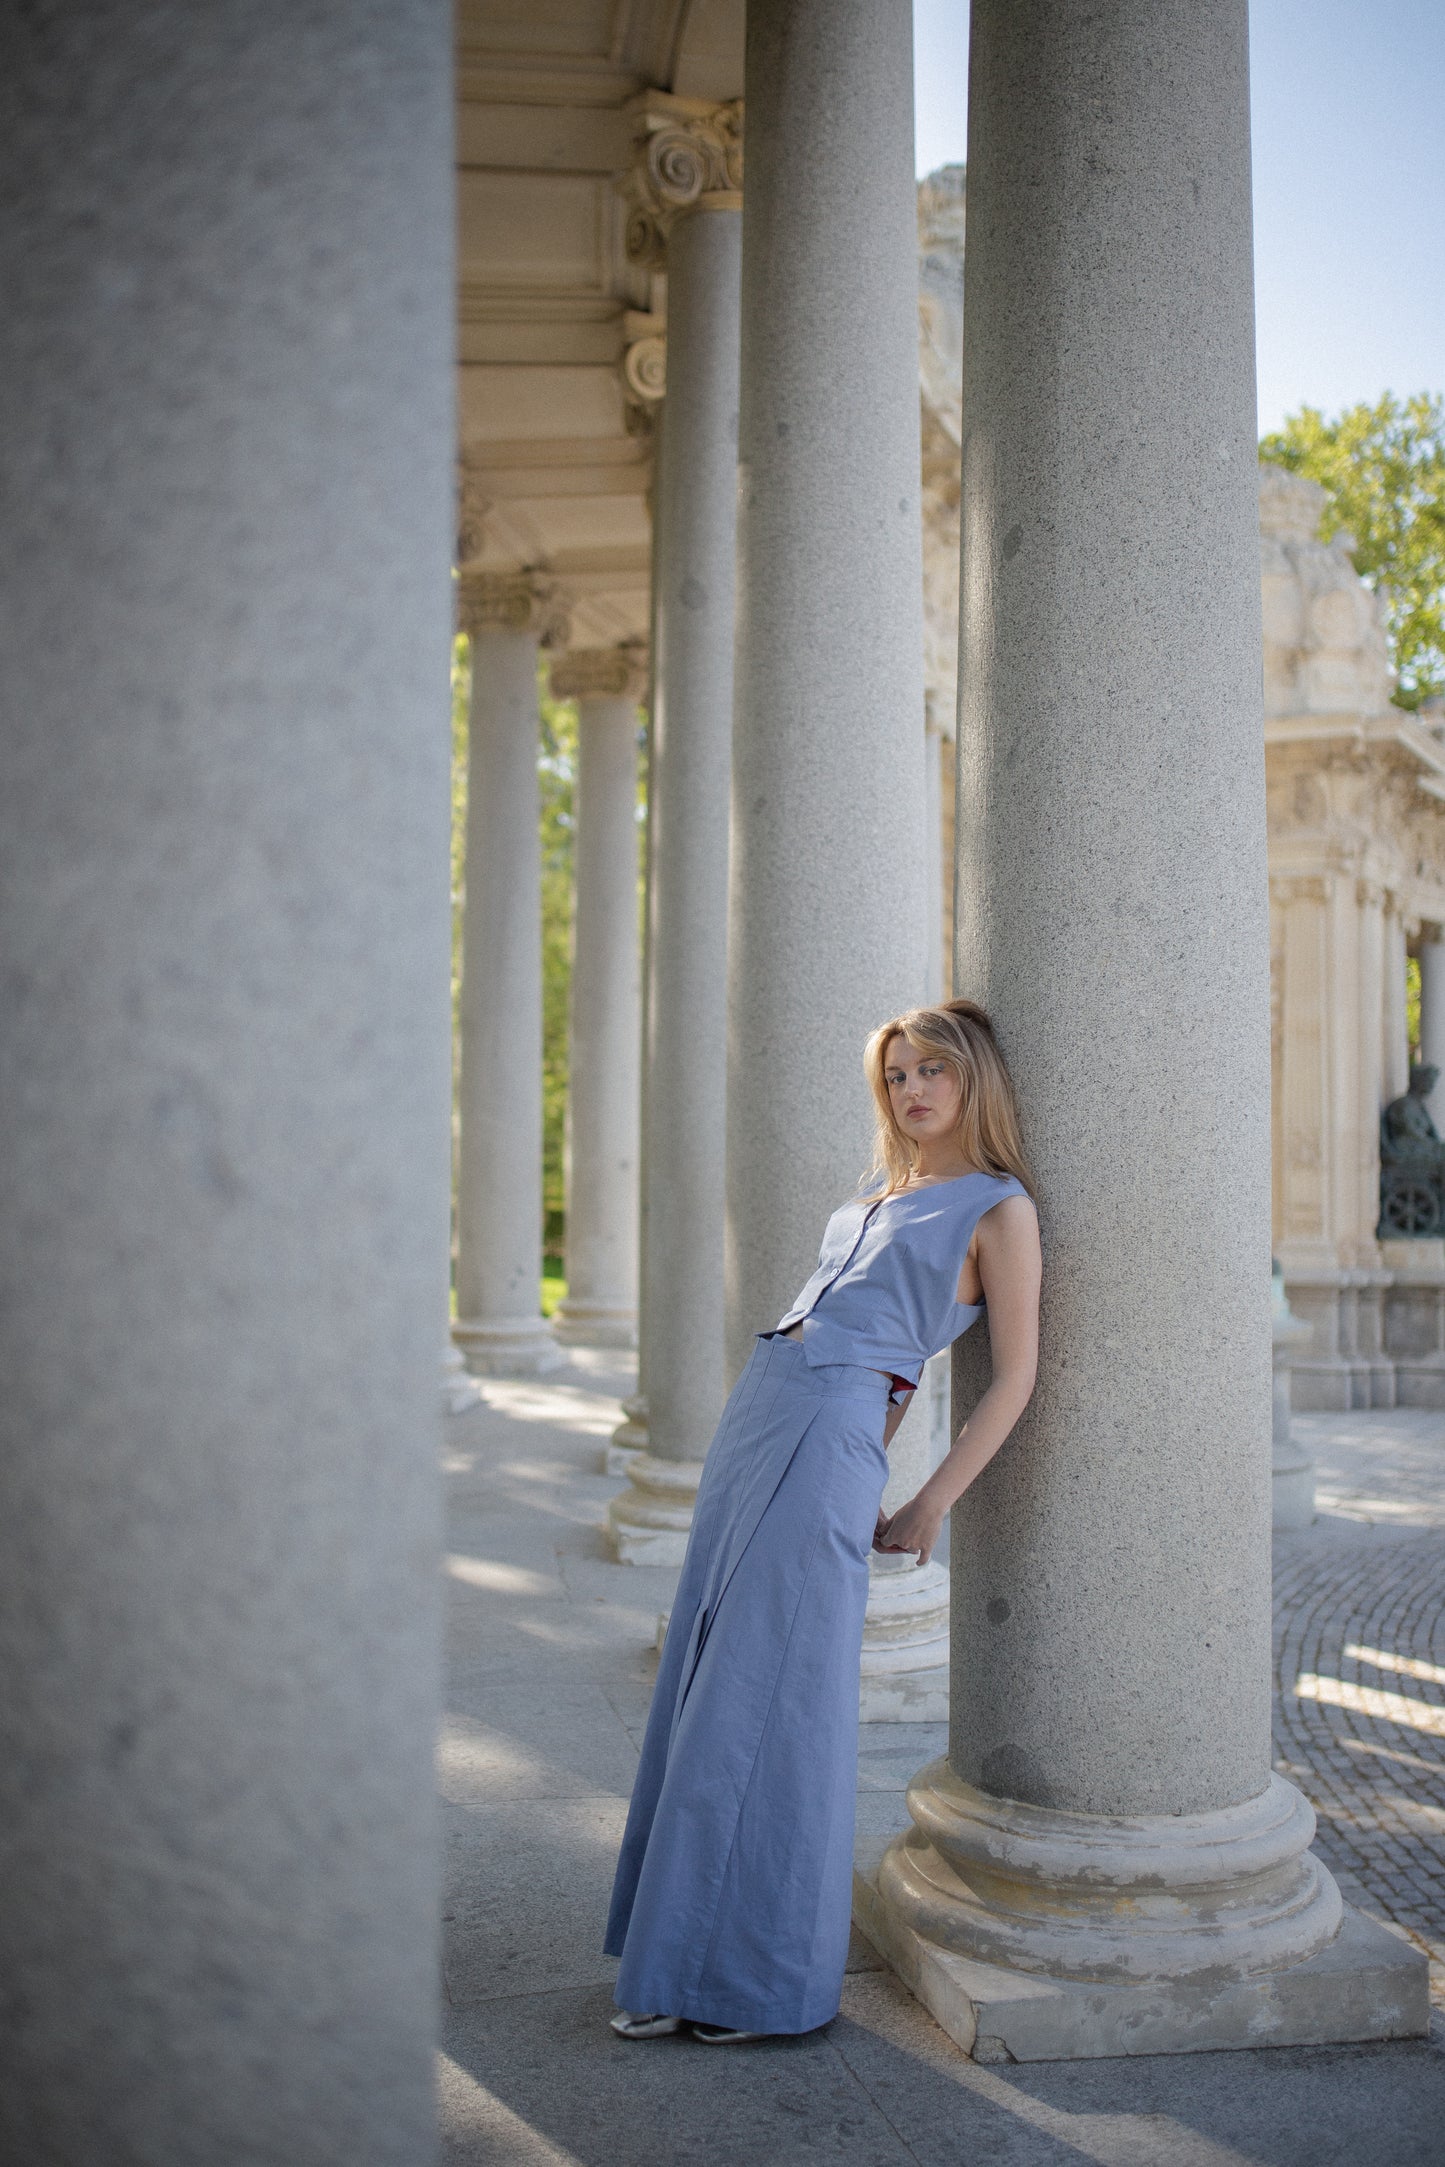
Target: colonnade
[(1104, 1860), (225, 1082), (766, 963)]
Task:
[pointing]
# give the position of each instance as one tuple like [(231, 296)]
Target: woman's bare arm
[(1010, 1266)]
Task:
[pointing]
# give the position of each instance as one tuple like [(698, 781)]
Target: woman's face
[(923, 1091)]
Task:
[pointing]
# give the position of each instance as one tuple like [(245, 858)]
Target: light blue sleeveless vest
[(883, 1293)]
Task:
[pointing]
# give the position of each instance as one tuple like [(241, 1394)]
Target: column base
[(1365, 1984), (595, 1324), (1292, 1489), (507, 1346), (904, 1676), (1039, 1935), (628, 1439), (650, 1521), (460, 1389)]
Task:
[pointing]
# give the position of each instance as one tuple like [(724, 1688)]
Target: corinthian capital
[(607, 673), (687, 154), (512, 602)]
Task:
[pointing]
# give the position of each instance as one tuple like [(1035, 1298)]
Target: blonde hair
[(989, 1133)]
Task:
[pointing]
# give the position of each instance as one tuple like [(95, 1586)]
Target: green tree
[(1382, 469)]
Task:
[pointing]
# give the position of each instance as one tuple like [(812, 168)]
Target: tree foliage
[(1382, 469)]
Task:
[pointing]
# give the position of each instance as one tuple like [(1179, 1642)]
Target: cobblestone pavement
[(1360, 1665)]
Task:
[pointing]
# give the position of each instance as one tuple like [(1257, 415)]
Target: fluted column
[(226, 459), (499, 1325), (1105, 1864), (600, 1308), (687, 211)]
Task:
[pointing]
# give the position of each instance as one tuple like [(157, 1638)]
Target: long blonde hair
[(989, 1133)]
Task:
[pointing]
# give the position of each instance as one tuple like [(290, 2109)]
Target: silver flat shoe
[(720, 2035), (628, 2026)]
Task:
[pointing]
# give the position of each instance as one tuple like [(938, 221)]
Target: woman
[(731, 1905)]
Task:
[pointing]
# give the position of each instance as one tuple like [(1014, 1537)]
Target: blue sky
[(1349, 188)]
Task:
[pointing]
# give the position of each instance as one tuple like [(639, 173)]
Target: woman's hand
[(915, 1526)]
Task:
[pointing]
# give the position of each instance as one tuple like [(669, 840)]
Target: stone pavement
[(1360, 1665), (550, 1672)]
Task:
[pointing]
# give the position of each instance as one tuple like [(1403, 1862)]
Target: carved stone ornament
[(601, 673), (644, 368), (686, 152), (512, 602)]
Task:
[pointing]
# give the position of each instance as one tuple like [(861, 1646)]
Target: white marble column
[(830, 895), (226, 460), (1432, 1016), (1104, 1863), (499, 1325), (687, 200), (600, 1308)]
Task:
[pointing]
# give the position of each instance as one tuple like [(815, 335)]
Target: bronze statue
[(1412, 1163)]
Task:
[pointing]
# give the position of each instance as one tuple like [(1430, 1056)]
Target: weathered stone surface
[(1365, 1984)]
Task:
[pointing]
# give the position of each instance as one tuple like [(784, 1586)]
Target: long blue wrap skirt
[(733, 1891)]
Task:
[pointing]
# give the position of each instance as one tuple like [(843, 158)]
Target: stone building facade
[(1356, 795)]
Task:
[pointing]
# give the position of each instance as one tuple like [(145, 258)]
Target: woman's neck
[(944, 1164)]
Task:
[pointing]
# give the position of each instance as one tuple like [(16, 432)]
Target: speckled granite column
[(829, 895), (226, 462), (690, 204), (1104, 1863), (828, 904), (600, 1309), (499, 1323)]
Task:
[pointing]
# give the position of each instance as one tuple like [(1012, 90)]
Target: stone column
[(827, 892), (499, 1325), (1291, 1470), (225, 455), (937, 969), (686, 202), (1104, 1863), (829, 896), (630, 1436), (600, 1309), (1432, 1016)]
